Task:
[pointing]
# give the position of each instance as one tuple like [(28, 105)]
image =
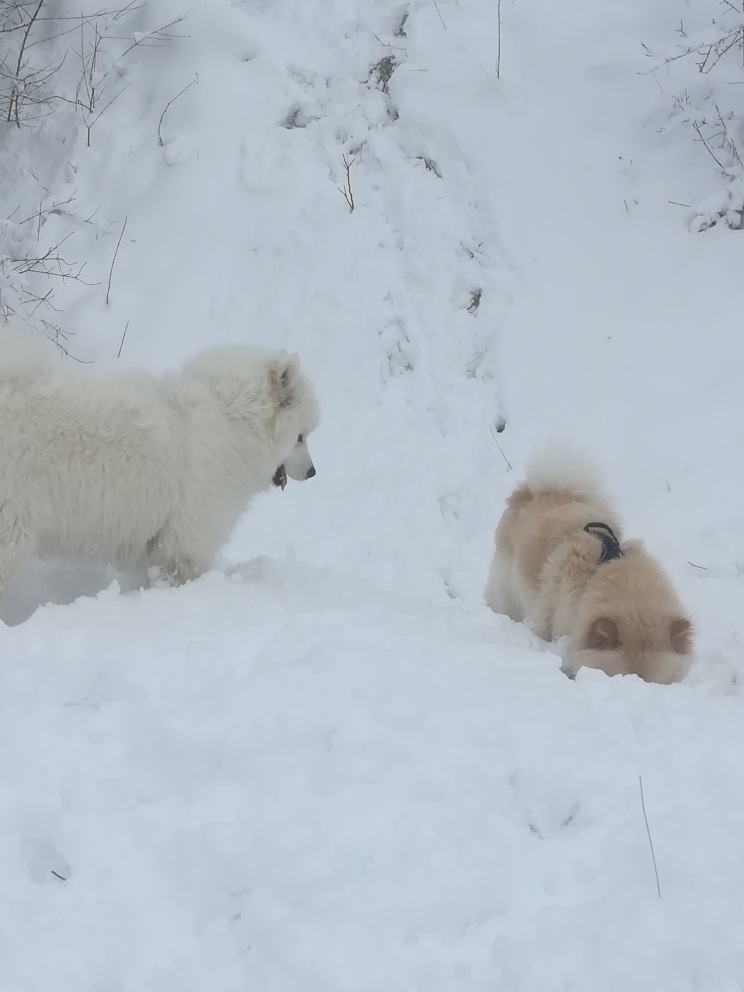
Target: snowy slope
[(330, 767), (292, 780)]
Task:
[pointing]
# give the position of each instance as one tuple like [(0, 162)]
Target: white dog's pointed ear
[(282, 376)]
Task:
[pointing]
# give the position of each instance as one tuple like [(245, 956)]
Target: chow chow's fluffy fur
[(129, 465), (622, 615)]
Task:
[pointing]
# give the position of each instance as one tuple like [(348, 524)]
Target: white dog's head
[(267, 394), (298, 413)]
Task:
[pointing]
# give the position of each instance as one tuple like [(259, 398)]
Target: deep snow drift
[(330, 767)]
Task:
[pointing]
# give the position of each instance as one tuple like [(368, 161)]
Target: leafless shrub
[(708, 47), (18, 282), (67, 63), (99, 81), (700, 73), (31, 58), (23, 81)]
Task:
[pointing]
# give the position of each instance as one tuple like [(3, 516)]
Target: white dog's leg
[(15, 545), (499, 593), (176, 561)]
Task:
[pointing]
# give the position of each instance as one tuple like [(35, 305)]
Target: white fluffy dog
[(129, 465)]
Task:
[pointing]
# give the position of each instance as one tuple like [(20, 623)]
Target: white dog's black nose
[(310, 472)]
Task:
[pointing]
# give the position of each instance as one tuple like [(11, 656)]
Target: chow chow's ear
[(603, 635), (680, 634), (282, 375)]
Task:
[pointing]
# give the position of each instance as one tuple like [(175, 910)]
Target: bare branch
[(100, 113), (650, 842), (157, 34), (498, 44), (498, 445), (710, 151), (122, 339), (730, 141), (113, 261), (436, 5), (165, 109), (346, 190), (14, 113)]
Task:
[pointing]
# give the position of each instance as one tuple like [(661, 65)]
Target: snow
[(289, 778), (325, 765)]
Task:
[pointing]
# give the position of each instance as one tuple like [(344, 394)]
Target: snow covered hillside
[(325, 766)]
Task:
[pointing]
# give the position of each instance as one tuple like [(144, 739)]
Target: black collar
[(606, 536)]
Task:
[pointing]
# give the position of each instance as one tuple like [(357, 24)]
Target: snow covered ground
[(329, 768)]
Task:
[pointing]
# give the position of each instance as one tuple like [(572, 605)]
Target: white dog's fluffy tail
[(560, 465)]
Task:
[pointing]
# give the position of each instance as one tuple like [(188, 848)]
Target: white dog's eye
[(300, 438)]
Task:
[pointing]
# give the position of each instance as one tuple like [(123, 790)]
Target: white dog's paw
[(158, 578), (176, 573)]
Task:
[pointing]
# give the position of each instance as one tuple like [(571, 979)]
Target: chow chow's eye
[(300, 438)]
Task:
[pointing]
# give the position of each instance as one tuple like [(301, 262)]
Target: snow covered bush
[(50, 56), (61, 69), (701, 72), (28, 274)]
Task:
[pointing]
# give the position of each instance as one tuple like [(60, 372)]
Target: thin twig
[(51, 263), (729, 140), (122, 339), (696, 126), (180, 93), (440, 15), (386, 44), (54, 332), (493, 435), (156, 33), (656, 80), (703, 568), (113, 261), (346, 191), (89, 126), (650, 842), (498, 48)]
